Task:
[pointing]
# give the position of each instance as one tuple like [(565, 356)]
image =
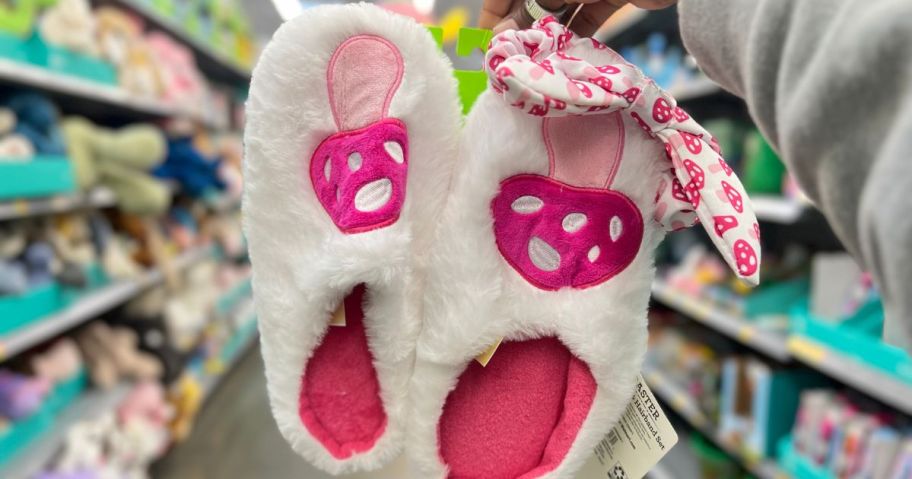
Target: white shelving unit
[(777, 209), (90, 306), (699, 88), (833, 363), (203, 51), (672, 395), (90, 406), (733, 326), (97, 198)]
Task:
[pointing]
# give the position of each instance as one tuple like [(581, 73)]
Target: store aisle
[(235, 437)]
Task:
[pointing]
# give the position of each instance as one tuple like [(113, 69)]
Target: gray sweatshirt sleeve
[(829, 82)]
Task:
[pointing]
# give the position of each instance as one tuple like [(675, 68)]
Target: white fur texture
[(302, 264), (474, 297)]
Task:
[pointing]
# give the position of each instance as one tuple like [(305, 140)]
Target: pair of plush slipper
[(391, 245)]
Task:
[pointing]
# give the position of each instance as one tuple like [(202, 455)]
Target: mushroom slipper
[(352, 128), (573, 168)]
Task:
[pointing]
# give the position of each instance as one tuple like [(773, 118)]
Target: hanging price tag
[(642, 436)]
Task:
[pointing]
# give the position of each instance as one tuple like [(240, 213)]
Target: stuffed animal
[(186, 397), (41, 264), (154, 339), (112, 354), (115, 251), (183, 84), (196, 173), (84, 445), (70, 24), (58, 363), (13, 146), (13, 274), (21, 395), (120, 160), (37, 121), (122, 43)]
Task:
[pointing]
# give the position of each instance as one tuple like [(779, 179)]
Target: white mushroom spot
[(527, 204), (394, 149), (355, 161), (543, 255), (594, 253), (615, 228), (373, 195), (573, 222), (327, 168)]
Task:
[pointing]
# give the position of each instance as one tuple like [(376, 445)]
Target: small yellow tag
[(338, 318), (485, 357)]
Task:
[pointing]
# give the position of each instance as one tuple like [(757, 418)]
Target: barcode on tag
[(638, 441)]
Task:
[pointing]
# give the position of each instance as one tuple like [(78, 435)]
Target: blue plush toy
[(39, 258), (38, 121), (196, 173)]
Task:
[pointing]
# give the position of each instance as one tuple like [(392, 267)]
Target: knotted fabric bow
[(548, 70)]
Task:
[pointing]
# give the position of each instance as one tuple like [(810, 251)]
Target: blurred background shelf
[(777, 209), (97, 198), (739, 329), (90, 406), (668, 392), (213, 62), (91, 306)]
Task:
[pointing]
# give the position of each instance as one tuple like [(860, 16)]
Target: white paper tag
[(641, 437)]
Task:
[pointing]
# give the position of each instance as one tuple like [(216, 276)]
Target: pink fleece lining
[(340, 400), (363, 75), (518, 417)]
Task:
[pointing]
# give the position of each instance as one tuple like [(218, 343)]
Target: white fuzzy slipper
[(351, 135), (547, 241)]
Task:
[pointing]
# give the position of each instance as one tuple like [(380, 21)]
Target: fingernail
[(508, 24)]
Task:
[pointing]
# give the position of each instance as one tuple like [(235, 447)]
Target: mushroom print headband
[(539, 70)]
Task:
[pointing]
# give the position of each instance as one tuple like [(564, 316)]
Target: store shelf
[(777, 209), (213, 62), (621, 23), (852, 372), (91, 405), (672, 395), (91, 306), (210, 383), (97, 198), (729, 324), (99, 96), (700, 88)]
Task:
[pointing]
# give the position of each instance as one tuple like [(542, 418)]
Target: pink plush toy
[(59, 363), (183, 83), (21, 395)]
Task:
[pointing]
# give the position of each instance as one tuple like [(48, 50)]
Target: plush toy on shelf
[(41, 264), (21, 395), (70, 24), (183, 84), (37, 120), (119, 159), (58, 363), (120, 36), (13, 146), (186, 397), (84, 446), (13, 274), (112, 354), (197, 173)]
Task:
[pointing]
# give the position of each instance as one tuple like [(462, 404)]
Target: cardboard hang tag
[(485, 357), (338, 317), (641, 437)]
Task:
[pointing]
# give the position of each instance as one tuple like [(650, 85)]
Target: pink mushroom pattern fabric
[(540, 71)]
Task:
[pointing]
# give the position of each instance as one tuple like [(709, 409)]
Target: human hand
[(507, 14)]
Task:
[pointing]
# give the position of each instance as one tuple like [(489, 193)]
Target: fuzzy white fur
[(302, 264), (474, 297)]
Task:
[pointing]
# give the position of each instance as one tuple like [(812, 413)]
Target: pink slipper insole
[(340, 397), (517, 417)]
